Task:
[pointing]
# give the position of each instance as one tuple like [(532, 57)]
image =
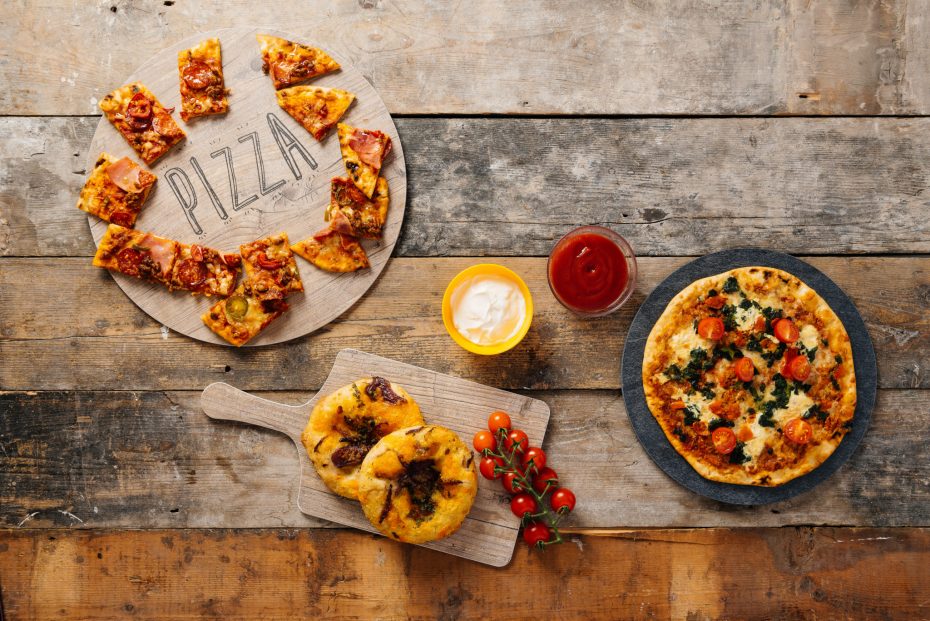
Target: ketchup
[(588, 271)]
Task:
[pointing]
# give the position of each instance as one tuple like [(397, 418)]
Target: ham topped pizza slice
[(145, 124), (116, 190), (363, 151), (314, 107), (333, 251), (137, 254), (353, 213), (290, 63)]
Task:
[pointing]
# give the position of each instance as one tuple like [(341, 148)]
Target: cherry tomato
[(487, 465), (537, 456), (498, 420), (724, 440), (536, 534), (711, 328), (798, 431), (563, 500), (745, 369), (786, 331), (544, 477), (516, 440), (511, 484), (522, 504), (716, 302), (799, 368), (484, 440)]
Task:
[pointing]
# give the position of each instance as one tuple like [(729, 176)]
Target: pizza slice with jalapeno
[(116, 190), (333, 251), (203, 91), (145, 124), (270, 269), (199, 269), (137, 254), (289, 63), (242, 316), (750, 375), (314, 107), (363, 152)]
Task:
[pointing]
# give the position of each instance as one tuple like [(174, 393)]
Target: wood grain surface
[(786, 573), (93, 337), (489, 533), (490, 187), (256, 191), (539, 57), (153, 460)]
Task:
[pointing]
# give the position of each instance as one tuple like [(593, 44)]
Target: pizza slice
[(204, 270), (270, 269), (240, 317), (290, 63), (333, 251), (203, 91), (137, 254), (314, 107), (351, 212), (116, 190), (363, 151), (145, 124)]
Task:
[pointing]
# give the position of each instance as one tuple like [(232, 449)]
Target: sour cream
[(488, 309)]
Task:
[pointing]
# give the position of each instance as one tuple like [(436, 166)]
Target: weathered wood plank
[(514, 186), (66, 325), (601, 57), (154, 460), (806, 573)]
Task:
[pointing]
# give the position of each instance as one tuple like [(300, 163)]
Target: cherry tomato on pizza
[(799, 431), (711, 328), (724, 440)]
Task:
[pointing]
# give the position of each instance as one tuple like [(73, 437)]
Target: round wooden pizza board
[(649, 432), (248, 174)]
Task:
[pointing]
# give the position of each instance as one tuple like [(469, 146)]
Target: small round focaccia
[(345, 425), (418, 484)]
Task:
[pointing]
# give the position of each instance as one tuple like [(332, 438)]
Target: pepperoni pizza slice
[(352, 213), (290, 63), (314, 107), (333, 251), (363, 151), (203, 91), (116, 190), (240, 317), (199, 269), (145, 124), (137, 254), (270, 269)]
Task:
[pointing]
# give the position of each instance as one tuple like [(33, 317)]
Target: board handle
[(224, 402)]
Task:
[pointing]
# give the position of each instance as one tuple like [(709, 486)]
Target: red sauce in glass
[(588, 272)]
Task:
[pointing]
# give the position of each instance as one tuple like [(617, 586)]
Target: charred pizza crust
[(145, 124), (116, 190), (289, 63), (200, 71), (347, 423), (317, 109), (418, 484), (692, 389), (241, 317), (137, 254)]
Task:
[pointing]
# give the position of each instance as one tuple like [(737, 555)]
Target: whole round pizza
[(750, 375)]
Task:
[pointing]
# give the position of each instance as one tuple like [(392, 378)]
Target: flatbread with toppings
[(289, 63), (145, 124), (351, 212), (333, 251), (270, 269), (199, 269), (317, 109), (203, 90), (116, 190), (347, 423), (363, 152), (137, 254), (750, 375), (241, 317)]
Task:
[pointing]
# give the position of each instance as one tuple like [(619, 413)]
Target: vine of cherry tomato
[(537, 499)]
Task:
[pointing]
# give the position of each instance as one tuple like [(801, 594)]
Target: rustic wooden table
[(686, 127)]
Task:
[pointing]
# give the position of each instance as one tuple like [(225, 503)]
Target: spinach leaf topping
[(719, 422), (731, 285), (691, 415), (739, 456), (729, 317), (814, 410)]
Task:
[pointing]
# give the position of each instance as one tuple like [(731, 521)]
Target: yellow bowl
[(490, 269)]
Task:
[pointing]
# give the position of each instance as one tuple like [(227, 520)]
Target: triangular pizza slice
[(333, 251), (316, 108), (290, 63), (363, 151), (352, 212)]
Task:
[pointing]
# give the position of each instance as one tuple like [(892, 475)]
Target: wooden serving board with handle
[(490, 531)]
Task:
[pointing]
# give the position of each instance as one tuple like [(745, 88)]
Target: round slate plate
[(248, 174), (651, 435)]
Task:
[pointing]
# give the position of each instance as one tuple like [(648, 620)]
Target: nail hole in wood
[(227, 369)]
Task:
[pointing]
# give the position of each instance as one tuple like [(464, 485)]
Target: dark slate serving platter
[(651, 435)]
